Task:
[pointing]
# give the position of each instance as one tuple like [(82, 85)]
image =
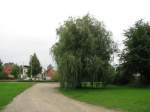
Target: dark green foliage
[(122, 77), (1, 65), (1, 70), (35, 66), (136, 56), (83, 52), (15, 70)]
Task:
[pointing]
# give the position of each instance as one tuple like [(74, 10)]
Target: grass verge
[(8, 90), (123, 98)]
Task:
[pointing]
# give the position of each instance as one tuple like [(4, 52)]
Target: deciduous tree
[(136, 56), (15, 70), (83, 52)]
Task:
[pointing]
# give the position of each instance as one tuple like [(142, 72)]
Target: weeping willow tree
[(83, 52)]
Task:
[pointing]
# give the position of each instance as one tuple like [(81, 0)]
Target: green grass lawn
[(8, 90), (122, 98)]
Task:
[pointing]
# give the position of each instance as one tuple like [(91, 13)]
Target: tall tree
[(15, 70), (83, 52), (35, 66), (136, 56), (1, 65), (1, 69)]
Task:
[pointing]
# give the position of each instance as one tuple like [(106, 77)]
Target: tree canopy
[(1, 65), (83, 52), (1, 69), (35, 66), (136, 56), (15, 70)]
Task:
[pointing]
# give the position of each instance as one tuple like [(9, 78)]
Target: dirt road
[(43, 97)]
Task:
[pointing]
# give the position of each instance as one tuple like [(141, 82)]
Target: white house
[(24, 75)]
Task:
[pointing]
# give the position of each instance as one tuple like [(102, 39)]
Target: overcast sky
[(28, 26)]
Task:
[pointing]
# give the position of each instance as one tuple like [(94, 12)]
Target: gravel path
[(43, 97)]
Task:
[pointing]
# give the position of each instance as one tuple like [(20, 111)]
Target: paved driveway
[(43, 97)]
